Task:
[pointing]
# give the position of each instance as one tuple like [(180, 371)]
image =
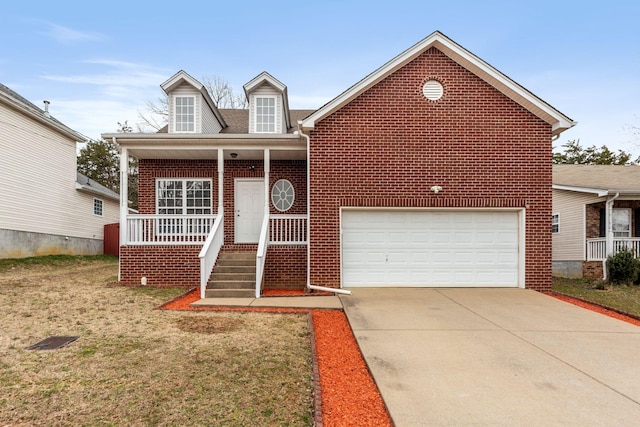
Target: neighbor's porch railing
[(597, 250), (168, 229)]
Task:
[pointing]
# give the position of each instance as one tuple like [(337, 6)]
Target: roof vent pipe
[(46, 108)]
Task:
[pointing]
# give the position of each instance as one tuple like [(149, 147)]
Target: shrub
[(623, 267)]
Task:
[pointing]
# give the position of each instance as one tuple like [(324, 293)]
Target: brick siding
[(388, 146), (161, 265), (180, 265)]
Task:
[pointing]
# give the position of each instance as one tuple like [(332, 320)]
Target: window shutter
[(636, 222), (603, 222)]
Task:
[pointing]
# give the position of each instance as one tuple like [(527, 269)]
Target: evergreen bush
[(623, 267)]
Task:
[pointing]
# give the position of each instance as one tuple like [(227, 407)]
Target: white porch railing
[(261, 256), (597, 250), (209, 253), (168, 229), (288, 229)]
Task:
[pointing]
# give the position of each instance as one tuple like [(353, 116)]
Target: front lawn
[(623, 298), (134, 365)]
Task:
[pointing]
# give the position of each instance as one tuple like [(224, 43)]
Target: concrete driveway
[(496, 357)]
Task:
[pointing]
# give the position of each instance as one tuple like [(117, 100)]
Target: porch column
[(267, 169), (220, 181), (124, 192), (609, 227)]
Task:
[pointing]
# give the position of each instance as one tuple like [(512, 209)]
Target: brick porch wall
[(390, 145), (286, 267), (592, 270), (161, 265)]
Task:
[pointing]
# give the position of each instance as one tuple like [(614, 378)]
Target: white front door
[(249, 209)]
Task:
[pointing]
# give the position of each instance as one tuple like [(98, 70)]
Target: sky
[(100, 63)]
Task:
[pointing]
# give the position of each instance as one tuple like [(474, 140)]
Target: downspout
[(309, 285), (608, 234)]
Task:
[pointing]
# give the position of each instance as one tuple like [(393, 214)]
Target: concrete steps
[(234, 276)]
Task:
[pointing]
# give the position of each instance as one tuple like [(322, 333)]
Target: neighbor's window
[(265, 115), (555, 223), (185, 113), (97, 207), (621, 222)]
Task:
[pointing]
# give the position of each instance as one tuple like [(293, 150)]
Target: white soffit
[(466, 59), (177, 79)]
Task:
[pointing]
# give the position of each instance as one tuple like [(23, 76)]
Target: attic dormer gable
[(268, 105), (191, 109)]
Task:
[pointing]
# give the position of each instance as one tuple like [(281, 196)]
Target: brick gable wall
[(390, 145)]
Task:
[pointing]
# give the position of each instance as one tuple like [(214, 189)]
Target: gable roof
[(18, 102), (182, 77), (558, 121), (597, 179), (266, 78)]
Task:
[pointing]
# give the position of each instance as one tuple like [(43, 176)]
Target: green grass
[(624, 298), (53, 261)]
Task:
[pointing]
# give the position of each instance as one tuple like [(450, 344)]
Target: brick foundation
[(592, 270), (286, 267), (161, 265)]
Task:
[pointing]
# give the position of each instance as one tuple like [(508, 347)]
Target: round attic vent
[(433, 90)]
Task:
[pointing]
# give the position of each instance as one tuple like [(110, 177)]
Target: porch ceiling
[(199, 146), (200, 153)]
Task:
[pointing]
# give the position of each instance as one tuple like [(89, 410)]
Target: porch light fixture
[(234, 155), (252, 168), (436, 189)]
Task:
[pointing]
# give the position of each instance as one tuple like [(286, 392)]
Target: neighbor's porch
[(612, 226)]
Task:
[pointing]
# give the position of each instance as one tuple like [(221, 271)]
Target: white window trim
[(255, 112), (276, 198), (101, 214), (175, 113), (628, 210), (555, 220), (184, 195)]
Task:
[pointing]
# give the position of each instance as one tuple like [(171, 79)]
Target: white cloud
[(68, 35), (116, 78)]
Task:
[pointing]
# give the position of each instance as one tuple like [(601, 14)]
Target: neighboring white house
[(596, 212), (46, 207)]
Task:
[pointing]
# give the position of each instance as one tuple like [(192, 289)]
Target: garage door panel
[(429, 248)]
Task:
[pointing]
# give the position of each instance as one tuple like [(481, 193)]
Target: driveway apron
[(496, 357)]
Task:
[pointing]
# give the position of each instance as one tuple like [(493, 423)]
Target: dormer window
[(265, 114), (185, 117)]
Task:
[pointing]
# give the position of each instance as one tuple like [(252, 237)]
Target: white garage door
[(429, 248)]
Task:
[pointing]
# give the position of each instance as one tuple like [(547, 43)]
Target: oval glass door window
[(282, 195)]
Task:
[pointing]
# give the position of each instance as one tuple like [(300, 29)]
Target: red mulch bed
[(348, 394), (597, 308)]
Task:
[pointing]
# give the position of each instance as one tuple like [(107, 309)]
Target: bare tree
[(223, 94), (157, 113)]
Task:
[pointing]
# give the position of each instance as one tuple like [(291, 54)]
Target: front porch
[(260, 186)]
